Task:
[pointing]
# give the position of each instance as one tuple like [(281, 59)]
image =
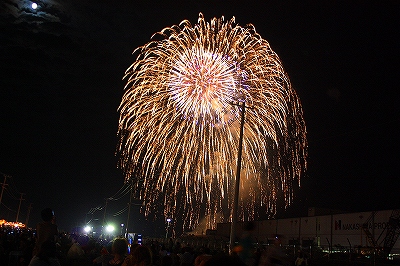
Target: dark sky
[(61, 83)]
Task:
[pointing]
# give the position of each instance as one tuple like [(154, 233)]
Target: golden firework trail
[(179, 124)]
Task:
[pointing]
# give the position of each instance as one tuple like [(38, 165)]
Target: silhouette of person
[(140, 256), (275, 255), (245, 249), (46, 255), (300, 260), (105, 256), (119, 249), (45, 230)]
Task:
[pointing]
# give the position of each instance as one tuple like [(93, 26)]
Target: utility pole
[(237, 181), (27, 215), (19, 206), (129, 211), (4, 184), (105, 209)]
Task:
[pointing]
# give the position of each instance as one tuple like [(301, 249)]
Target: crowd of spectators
[(17, 245), (45, 245)]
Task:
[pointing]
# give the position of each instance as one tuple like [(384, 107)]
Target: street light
[(87, 229), (122, 229), (110, 228), (168, 222)]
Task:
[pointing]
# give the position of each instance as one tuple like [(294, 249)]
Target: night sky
[(61, 70)]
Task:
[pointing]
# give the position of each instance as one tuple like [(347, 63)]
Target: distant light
[(110, 228), (34, 5), (169, 220), (87, 229)]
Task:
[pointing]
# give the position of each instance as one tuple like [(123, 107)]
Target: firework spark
[(179, 126)]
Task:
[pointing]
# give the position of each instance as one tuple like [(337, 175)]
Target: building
[(330, 230)]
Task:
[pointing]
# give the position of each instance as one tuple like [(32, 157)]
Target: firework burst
[(179, 124)]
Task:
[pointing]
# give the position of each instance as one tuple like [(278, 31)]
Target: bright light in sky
[(87, 229), (34, 5)]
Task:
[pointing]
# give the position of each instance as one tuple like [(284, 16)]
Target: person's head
[(120, 246), (47, 214), (73, 238), (142, 256)]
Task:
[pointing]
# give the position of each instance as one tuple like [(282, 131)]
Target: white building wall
[(310, 229), (336, 229), (349, 227), (267, 230)]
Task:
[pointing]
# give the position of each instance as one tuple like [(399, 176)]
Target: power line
[(121, 211), (12, 196), (123, 191), (8, 208), (14, 188)]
